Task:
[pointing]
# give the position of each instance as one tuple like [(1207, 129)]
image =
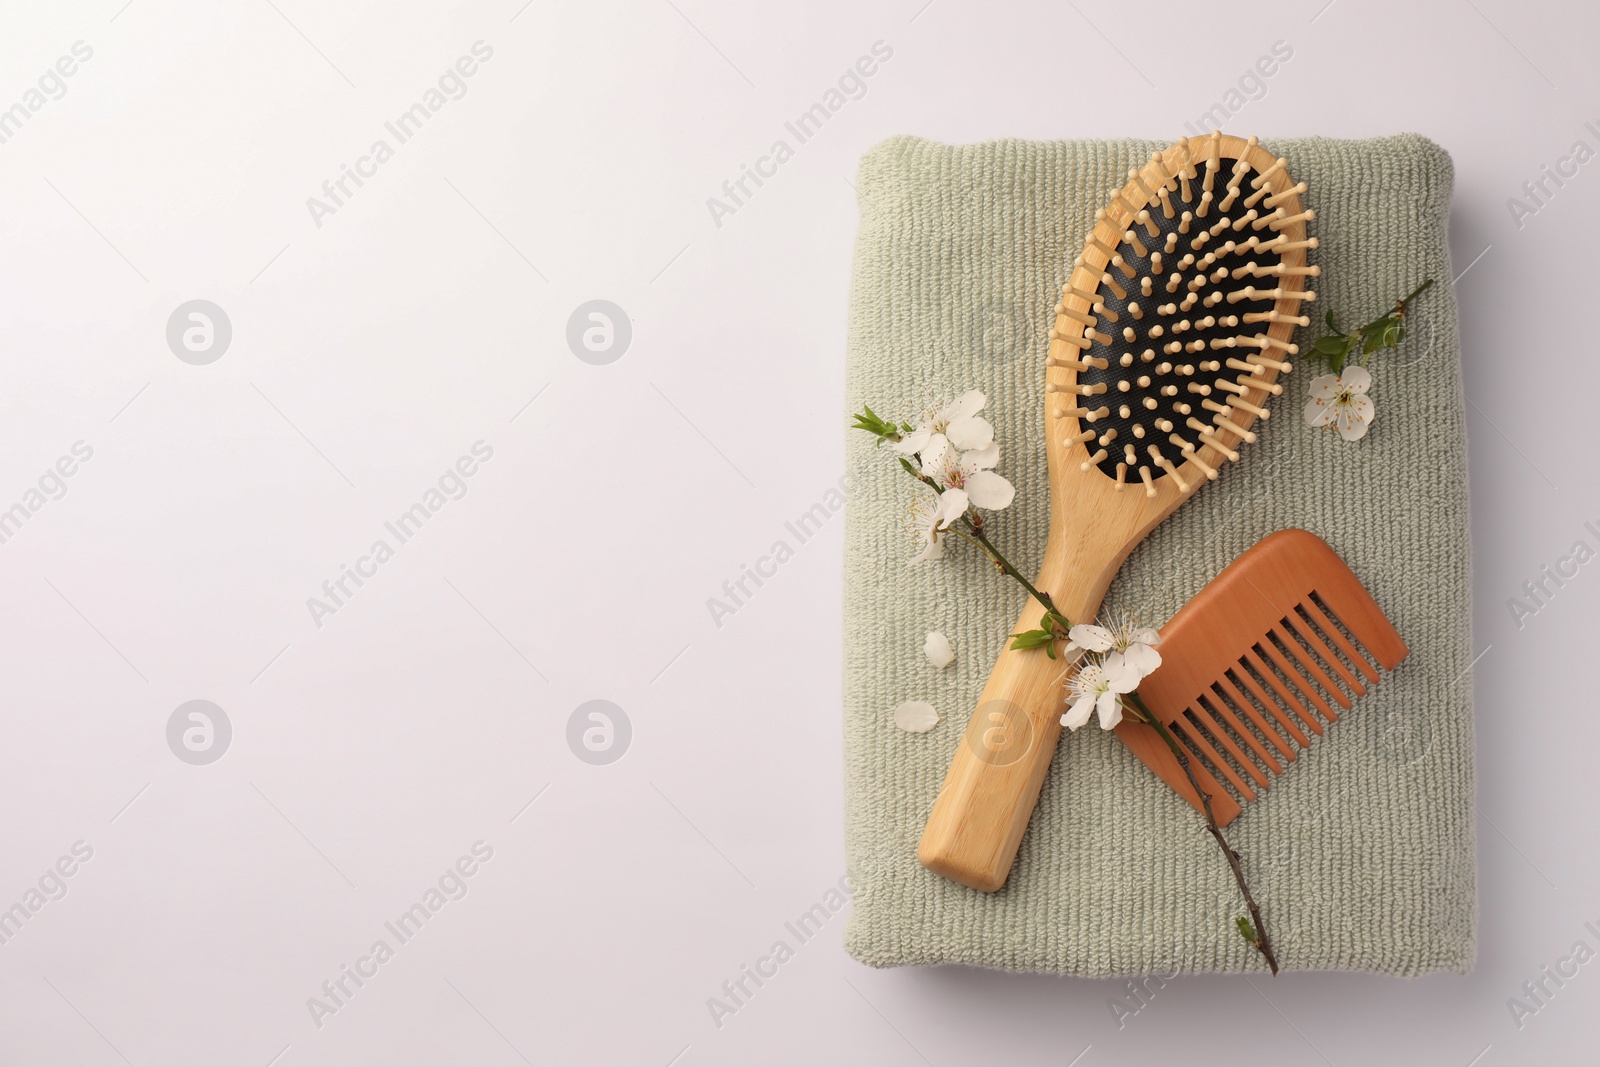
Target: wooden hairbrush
[(1167, 343), (1246, 664)]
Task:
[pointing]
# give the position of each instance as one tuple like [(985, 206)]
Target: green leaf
[(1033, 639), (1336, 362), (1328, 318), (1246, 931), (1328, 346)]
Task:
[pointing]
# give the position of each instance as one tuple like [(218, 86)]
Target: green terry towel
[(1362, 852)]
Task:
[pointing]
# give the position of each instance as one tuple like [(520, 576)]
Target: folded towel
[(1362, 852)]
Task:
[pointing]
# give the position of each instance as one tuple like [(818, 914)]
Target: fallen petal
[(916, 716), (938, 650)]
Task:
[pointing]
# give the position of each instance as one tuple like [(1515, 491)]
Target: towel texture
[(1362, 852)]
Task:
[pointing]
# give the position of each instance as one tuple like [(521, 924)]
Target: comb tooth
[(1202, 713), (1111, 283), (1317, 639), (1330, 628), (1272, 706), (1255, 198), (1149, 483), (1219, 765), (1092, 460), (1167, 209), (1122, 477), (1291, 636), (1187, 218), (1219, 709), (1248, 709), (1077, 439), (1286, 664), (1137, 178), (1143, 218), (1293, 703)]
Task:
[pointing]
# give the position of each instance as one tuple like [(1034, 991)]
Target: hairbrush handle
[(994, 779)]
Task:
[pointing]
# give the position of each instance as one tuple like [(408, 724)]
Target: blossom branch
[(974, 533), (1254, 932)]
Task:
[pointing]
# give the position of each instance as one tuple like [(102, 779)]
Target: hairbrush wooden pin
[(1251, 660), (1168, 341)]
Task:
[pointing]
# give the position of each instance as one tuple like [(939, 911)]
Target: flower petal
[(964, 406), (990, 491), (1356, 379), (935, 550), (1110, 709), (1318, 412), (936, 646), (916, 716), (1325, 386), (1355, 417), (1079, 713), (970, 433), (979, 459), (912, 443), (936, 457), (952, 505), (1144, 635), (1142, 659), (1093, 638)]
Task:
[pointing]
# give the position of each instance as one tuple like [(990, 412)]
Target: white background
[(430, 312)]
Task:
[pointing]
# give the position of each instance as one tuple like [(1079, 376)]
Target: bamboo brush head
[(1174, 326)]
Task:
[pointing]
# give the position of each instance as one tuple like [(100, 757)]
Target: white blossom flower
[(968, 473), (1099, 687), (957, 423), (931, 517), (1136, 644), (916, 716), (1342, 401), (938, 650), (1089, 638)]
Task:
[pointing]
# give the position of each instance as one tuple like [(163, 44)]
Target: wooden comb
[(1163, 298), (1248, 666)]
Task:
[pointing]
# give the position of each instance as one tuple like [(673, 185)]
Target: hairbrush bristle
[(1199, 256)]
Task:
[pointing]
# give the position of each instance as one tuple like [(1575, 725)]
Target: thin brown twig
[(1262, 943)]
